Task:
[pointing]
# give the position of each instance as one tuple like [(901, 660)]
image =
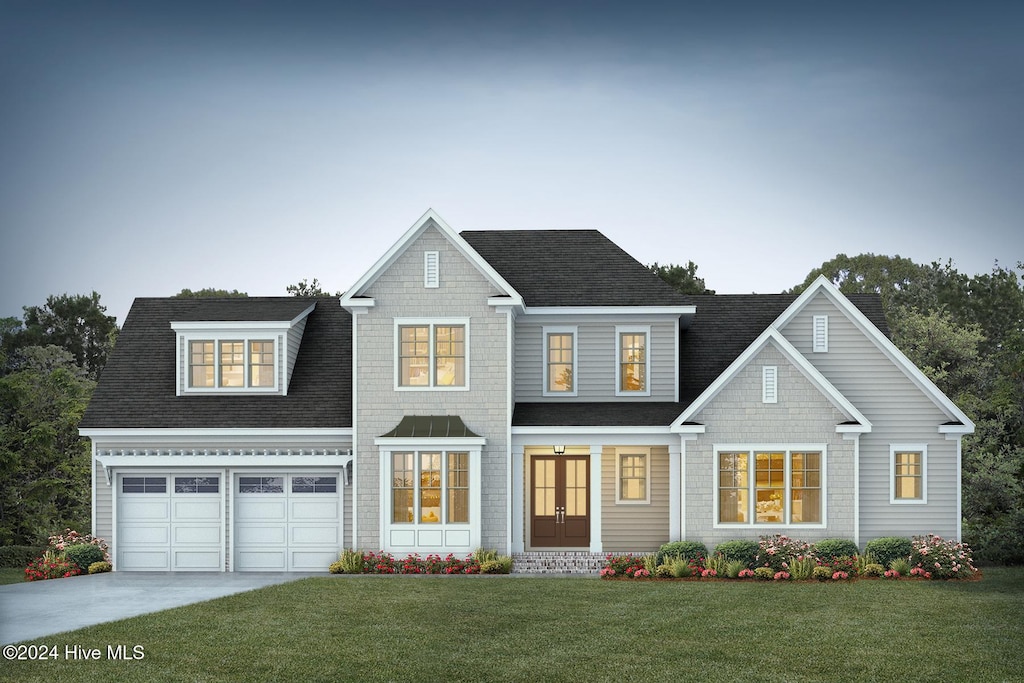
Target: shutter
[(820, 333), (769, 384), (431, 269)]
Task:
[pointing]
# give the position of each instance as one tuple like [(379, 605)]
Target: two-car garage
[(192, 521)]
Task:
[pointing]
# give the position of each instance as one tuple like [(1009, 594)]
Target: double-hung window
[(430, 487), (633, 482), (633, 366), (559, 361), (770, 486), (231, 364), (907, 473), (432, 355)]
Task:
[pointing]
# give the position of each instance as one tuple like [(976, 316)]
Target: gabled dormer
[(252, 353)]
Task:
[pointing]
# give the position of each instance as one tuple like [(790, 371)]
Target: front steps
[(558, 562)]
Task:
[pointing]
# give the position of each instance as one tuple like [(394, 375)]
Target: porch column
[(517, 542), (675, 492), (595, 497)]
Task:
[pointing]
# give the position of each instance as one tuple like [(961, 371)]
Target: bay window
[(428, 487), (770, 486)]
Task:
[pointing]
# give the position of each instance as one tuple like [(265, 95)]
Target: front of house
[(536, 392)]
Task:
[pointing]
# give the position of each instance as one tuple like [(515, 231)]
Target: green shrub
[(738, 550), (84, 555), (686, 550), (718, 563), (822, 573), (778, 551), (941, 558), (997, 541), (336, 567), (861, 562), (764, 573), (801, 570), (99, 567), (901, 565), (733, 569), (350, 562), (664, 571), (889, 548), (18, 556), (501, 564), (873, 570), (650, 563), (682, 568), (835, 547)]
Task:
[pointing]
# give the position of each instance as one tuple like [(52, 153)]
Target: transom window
[(431, 355), (261, 484), (633, 360), (908, 473), (428, 487), (777, 487), (144, 485), (197, 484), (633, 478), (560, 361), (231, 364), (314, 484)]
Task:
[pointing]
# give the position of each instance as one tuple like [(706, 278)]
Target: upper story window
[(231, 364), (559, 361), (432, 355), (634, 364)]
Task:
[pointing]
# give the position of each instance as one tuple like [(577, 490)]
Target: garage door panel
[(314, 535), (262, 560), (197, 509), (144, 510), (314, 509), (311, 561), (144, 534), (197, 561), (145, 560), (259, 534), (188, 534), (263, 510)]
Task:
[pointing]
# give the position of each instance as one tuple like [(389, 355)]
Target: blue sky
[(146, 148)]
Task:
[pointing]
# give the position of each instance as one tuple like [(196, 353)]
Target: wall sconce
[(559, 450)]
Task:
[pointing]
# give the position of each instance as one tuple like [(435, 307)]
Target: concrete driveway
[(29, 611)]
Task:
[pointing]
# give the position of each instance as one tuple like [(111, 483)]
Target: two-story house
[(535, 392)]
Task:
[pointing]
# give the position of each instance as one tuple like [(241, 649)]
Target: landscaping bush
[(739, 550), (628, 566), (873, 570), (940, 558), (683, 568), (51, 566), (497, 564), (99, 567), (686, 550), (822, 573), (764, 573), (835, 547), (999, 541), (18, 556), (84, 555), (350, 562), (778, 551), (733, 569), (901, 566), (801, 570), (889, 548)]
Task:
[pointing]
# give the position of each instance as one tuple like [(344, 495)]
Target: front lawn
[(530, 629), (8, 575)]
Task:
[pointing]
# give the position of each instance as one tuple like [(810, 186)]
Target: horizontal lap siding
[(596, 362), (631, 527), (737, 415), (294, 341), (900, 413), (104, 505)]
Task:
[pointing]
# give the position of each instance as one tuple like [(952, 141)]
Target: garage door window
[(197, 484), (261, 484), (314, 484), (144, 485)]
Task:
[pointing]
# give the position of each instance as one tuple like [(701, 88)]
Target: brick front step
[(558, 562)]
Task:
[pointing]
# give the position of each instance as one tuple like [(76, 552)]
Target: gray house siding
[(104, 506), (399, 293), (294, 340), (635, 527), (802, 416), (900, 414), (597, 357)]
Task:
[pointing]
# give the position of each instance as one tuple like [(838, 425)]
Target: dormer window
[(231, 364)]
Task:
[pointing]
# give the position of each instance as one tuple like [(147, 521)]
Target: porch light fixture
[(559, 450)]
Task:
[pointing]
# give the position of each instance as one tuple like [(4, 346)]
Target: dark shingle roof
[(570, 268), (137, 387), (631, 414)]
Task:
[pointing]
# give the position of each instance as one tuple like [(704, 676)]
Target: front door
[(560, 501)]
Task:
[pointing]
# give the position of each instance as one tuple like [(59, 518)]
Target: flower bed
[(65, 556), (480, 562), (780, 558)]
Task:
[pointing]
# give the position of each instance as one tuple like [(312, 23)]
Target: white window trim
[(561, 329), (819, 343), (921, 448), (632, 329), (244, 336), (619, 452), (431, 269), (431, 323), (788, 449), (769, 384)]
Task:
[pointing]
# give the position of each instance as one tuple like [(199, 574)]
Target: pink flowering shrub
[(891, 574), (781, 576), (918, 571), (61, 542), (623, 565), (941, 559), (777, 551), (746, 574)]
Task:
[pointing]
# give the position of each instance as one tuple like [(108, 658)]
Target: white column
[(517, 542), (595, 497), (675, 492)]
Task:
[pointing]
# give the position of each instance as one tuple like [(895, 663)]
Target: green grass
[(522, 629), (11, 575)]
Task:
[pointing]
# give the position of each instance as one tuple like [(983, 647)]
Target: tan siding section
[(635, 527), (899, 412)]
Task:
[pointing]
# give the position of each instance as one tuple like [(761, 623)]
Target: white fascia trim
[(192, 462), (773, 336), (956, 429), (503, 303), (853, 429), (591, 430), (427, 443), (385, 261), (611, 310), (225, 432), (208, 325), (822, 284), (689, 429)]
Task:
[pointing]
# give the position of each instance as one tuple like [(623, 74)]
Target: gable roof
[(571, 268), (137, 387)]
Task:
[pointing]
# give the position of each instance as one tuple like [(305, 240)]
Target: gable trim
[(823, 285)]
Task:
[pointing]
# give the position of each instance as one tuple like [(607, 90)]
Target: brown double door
[(560, 501)]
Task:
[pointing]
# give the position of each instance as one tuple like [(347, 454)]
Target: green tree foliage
[(682, 278), (45, 464), (209, 293), (887, 276), (79, 324), (308, 289)]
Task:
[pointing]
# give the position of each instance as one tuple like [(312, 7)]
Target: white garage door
[(286, 522), (169, 522)]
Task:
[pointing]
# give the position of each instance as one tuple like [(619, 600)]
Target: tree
[(683, 278), (887, 276), (77, 323), (45, 463), (308, 289), (209, 293)]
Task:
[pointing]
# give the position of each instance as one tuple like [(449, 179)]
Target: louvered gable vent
[(431, 269), (770, 384), (820, 333)]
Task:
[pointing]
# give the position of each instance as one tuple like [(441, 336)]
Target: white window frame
[(546, 331), (752, 450), (431, 269), (819, 334), (431, 324), (921, 448), (243, 336), (769, 384), (632, 329), (619, 454)]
